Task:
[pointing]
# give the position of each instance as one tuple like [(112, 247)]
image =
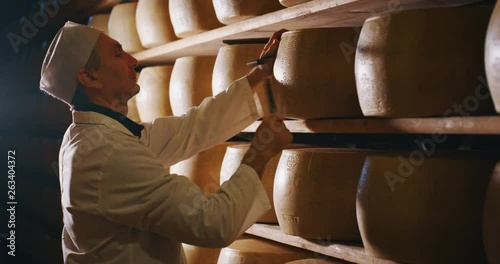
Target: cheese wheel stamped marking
[(291, 162), (290, 218)]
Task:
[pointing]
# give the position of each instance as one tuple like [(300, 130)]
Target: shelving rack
[(316, 14)]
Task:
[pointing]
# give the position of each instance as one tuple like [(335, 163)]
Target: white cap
[(69, 51)]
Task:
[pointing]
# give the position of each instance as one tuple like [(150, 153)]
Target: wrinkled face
[(116, 72)]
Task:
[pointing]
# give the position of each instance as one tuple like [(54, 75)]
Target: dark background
[(32, 123)]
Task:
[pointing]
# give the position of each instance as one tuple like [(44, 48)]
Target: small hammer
[(262, 61)]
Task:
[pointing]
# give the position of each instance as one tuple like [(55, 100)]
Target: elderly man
[(119, 203)]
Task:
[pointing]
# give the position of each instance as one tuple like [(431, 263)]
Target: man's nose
[(133, 61)]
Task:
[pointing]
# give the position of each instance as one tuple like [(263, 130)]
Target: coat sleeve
[(214, 121), (137, 191)]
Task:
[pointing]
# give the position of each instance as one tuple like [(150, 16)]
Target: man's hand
[(270, 138), (271, 49), (259, 72)]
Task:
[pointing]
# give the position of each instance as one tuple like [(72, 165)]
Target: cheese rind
[(232, 11), (191, 82), (122, 27), (314, 72), (190, 17), (153, 99), (424, 207), (153, 23), (315, 192), (492, 56), (425, 62), (253, 250)]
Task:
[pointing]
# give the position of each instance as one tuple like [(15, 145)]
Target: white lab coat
[(121, 206)]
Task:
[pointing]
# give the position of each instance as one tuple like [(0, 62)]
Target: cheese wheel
[(204, 168), (424, 207), (320, 260), (315, 192), (99, 21), (289, 3), (232, 11), (425, 62), (232, 160), (492, 56), (190, 17), (153, 23), (201, 255), (491, 218), (190, 82), (122, 27), (253, 250), (230, 65), (314, 78), (133, 113), (153, 99)]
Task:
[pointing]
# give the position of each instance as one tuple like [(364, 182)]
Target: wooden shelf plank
[(350, 252), (484, 125), (313, 14)]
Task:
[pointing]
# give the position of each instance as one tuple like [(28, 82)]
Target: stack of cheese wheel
[(252, 250), (315, 192), (190, 83), (492, 56), (133, 113), (491, 218), (315, 78), (201, 255), (122, 26), (204, 168), (232, 11), (99, 21), (153, 23), (289, 3), (153, 99), (232, 161), (319, 261), (190, 17), (425, 62), (424, 206), (230, 65)]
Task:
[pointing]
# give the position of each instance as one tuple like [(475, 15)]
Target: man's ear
[(88, 79)]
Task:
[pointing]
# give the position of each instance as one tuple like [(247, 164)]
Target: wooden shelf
[(314, 14), (350, 252), (483, 125)]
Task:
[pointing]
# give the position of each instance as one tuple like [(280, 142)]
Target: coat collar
[(95, 114)]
